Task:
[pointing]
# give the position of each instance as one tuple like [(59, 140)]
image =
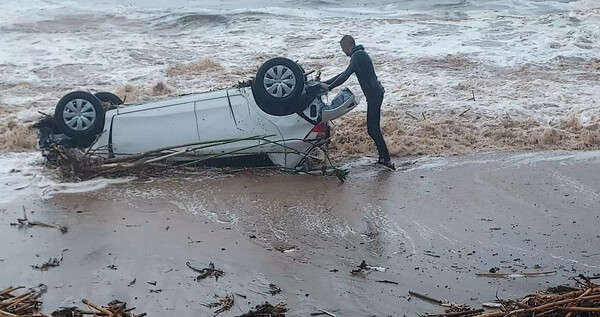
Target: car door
[(230, 118), (343, 103), (146, 127)]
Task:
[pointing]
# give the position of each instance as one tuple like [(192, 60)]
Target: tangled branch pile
[(26, 304), (76, 164), (29, 304), (581, 302)]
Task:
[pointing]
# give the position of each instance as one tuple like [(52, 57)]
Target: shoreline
[(503, 210)]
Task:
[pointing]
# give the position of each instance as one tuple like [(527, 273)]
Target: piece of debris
[(245, 83), (131, 283), (152, 283), (157, 290), (274, 290), (513, 275), (53, 262), (365, 267), (492, 305), (324, 312), (460, 313), (284, 250), (431, 253), (494, 270), (68, 312), (209, 271), (425, 297), (387, 282), (267, 310), (24, 222), (193, 241), (225, 303)]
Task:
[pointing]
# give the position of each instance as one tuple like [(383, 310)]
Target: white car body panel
[(156, 128)]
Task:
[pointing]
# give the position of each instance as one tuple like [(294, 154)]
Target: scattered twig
[(193, 241), (324, 312), (209, 271), (431, 253), (512, 275), (24, 222), (458, 314), (274, 290), (225, 303), (473, 98), (462, 113), (410, 115), (387, 282), (53, 262)]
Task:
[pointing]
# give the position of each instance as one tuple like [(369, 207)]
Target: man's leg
[(374, 126)]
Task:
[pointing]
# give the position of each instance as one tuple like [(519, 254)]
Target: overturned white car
[(279, 117)]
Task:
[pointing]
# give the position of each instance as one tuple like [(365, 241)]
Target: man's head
[(347, 43)]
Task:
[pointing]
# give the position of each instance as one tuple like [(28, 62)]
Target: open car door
[(343, 103)]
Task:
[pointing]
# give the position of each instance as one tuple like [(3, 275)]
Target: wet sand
[(517, 212)]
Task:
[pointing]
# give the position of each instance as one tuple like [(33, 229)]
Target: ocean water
[(532, 63)]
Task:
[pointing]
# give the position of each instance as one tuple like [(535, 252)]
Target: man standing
[(362, 66)]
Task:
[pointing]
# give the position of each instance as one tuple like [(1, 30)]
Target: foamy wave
[(24, 175), (16, 136), (448, 134)]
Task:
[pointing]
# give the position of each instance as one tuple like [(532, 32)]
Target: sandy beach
[(432, 226)]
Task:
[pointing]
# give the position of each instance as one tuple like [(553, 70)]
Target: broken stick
[(462, 113), (425, 297), (98, 308), (410, 115)]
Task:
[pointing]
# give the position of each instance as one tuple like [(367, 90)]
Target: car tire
[(79, 115), (109, 99), (278, 85)]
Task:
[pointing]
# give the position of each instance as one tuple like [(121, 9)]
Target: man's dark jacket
[(362, 66)]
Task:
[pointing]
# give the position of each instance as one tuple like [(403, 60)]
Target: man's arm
[(341, 78), (329, 81)]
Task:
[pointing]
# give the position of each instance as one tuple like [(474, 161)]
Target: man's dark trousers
[(374, 125)]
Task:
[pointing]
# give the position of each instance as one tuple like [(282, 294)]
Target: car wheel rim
[(279, 81), (79, 115)]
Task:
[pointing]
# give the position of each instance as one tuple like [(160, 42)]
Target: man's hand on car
[(325, 86)]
